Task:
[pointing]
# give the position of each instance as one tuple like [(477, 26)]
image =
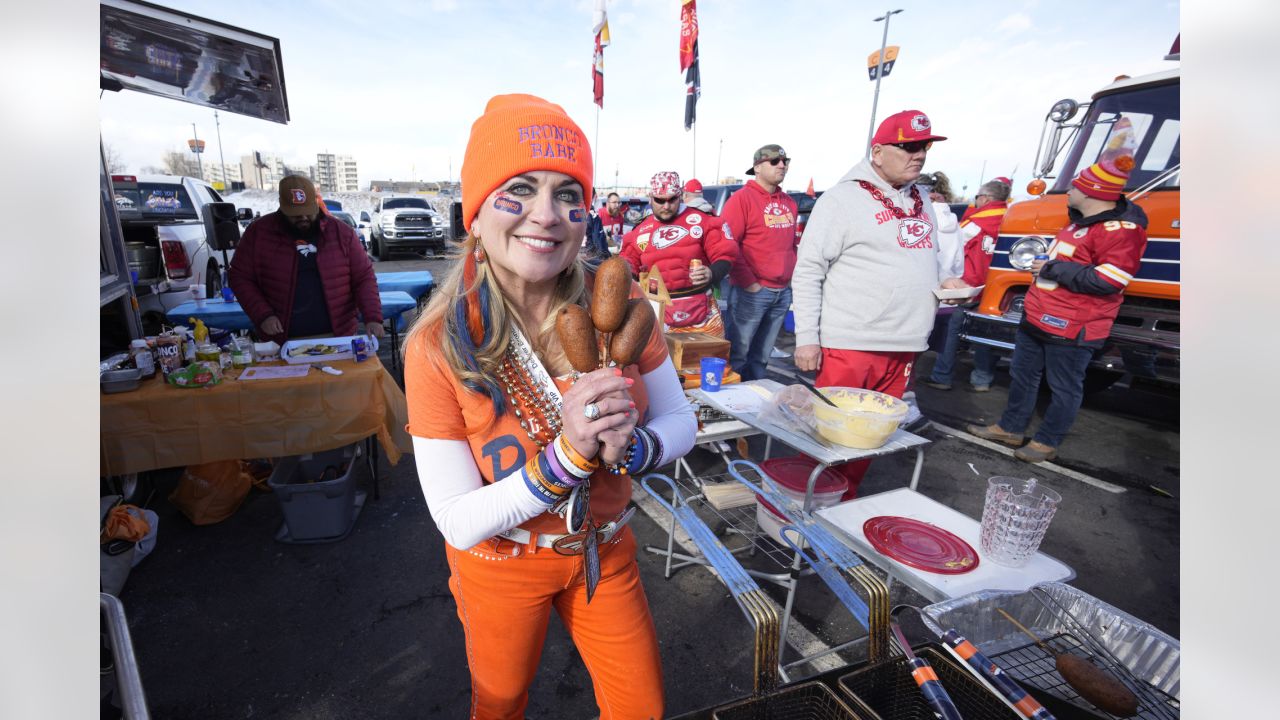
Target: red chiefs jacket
[(764, 227), (980, 228), (691, 235), (1091, 261), (265, 267)]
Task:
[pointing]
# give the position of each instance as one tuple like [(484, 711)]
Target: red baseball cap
[(693, 186), (903, 127)]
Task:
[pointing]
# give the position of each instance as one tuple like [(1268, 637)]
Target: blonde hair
[(942, 186), (448, 311)]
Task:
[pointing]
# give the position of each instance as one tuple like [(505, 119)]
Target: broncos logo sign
[(668, 235)]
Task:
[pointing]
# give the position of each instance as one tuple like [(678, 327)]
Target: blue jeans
[(755, 319), (1064, 367), (984, 361)]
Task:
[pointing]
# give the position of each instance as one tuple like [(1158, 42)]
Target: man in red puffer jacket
[(299, 272)]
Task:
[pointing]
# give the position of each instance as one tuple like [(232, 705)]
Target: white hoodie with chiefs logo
[(864, 279)]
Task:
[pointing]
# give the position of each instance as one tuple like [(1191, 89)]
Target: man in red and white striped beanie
[(1071, 306)]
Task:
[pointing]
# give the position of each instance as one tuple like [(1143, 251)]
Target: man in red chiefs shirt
[(611, 218), (979, 228), (689, 249), (1071, 306), (761, 218)]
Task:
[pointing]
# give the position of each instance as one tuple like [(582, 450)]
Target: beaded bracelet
[(623, 468)]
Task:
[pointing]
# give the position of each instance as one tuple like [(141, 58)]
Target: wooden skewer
[(1029, 634)]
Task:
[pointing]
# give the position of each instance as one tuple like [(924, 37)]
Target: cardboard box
[(688, 349)]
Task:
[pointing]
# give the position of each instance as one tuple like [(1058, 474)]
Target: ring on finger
[(591, 411)]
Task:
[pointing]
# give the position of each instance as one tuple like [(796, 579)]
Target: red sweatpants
[(505, 601), (886, 372)]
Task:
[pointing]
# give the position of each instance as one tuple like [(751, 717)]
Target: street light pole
[(884, 42), (196, 150), (226, 184)]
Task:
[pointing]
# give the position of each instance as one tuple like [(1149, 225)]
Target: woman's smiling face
[(532, 226)]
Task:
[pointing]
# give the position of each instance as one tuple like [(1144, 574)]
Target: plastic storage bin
[(792, 476), (317, 510)]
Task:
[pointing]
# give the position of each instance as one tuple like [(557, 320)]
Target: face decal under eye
[(577, 215), (506, 204)]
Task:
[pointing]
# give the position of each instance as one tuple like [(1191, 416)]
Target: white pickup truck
[(406, 223), (162, 217)]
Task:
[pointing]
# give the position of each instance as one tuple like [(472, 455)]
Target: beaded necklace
[(533, 394), (899, 213)]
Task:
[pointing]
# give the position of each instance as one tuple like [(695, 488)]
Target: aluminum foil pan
[(1149, 654)]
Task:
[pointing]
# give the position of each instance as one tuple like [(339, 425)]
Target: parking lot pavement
[(228, 623)]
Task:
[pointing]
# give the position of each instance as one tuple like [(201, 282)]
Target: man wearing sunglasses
[(867, 268), (689, 249), (761, 218)]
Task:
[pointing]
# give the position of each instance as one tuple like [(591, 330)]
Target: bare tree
[(176, 163), (115, 163)]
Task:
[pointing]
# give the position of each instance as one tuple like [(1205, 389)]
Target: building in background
[(336, 173), (214, 176), (263, 171), (405, 186)]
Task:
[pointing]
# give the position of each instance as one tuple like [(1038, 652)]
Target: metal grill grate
[(1032, 665), (806, 701), (744, 532)]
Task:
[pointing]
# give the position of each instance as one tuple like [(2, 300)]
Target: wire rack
[(806, 701), (1033, 665), (743, 535)]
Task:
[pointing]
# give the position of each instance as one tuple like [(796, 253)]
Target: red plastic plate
[(920, 545)]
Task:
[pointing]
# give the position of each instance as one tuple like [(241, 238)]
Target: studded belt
[(569, 543)]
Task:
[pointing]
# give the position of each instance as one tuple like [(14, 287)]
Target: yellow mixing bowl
[(862, 419)]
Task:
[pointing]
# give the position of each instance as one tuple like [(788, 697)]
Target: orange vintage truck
[(1142, 115)]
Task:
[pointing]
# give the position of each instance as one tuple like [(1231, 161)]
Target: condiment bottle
[(142, 357)]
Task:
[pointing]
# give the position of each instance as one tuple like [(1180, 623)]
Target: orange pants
[(505, 594)]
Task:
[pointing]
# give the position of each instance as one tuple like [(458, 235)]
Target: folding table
[(230, 316)]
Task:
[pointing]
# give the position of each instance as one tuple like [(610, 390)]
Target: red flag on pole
[(809, 190), (601, 29), (688, 33)]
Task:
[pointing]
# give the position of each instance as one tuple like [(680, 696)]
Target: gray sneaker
[(938, 385), (995, 432), (982, 388)]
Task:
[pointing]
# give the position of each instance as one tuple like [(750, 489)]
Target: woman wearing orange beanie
[(516, 453)]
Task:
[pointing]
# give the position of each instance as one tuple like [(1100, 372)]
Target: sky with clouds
[(397, 84)]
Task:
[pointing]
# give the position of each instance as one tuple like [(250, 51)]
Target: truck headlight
[(1024, 251)]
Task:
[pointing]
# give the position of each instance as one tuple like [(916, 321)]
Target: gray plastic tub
[(316, 510)]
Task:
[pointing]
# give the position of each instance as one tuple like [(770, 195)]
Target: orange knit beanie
[(518, 133)]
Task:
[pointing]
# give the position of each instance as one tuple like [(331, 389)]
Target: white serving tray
[(342, 345), (957, 293)]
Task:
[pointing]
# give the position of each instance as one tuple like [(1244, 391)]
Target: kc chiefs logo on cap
[(298, 196), (920, 123)]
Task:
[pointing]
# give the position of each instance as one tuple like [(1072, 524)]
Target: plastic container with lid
[(862, 419), (792, 477), (142, 357)]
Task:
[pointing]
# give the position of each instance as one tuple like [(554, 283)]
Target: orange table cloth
[(162, 426)]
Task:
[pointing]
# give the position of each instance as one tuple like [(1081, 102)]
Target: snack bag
[(212, 492)]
